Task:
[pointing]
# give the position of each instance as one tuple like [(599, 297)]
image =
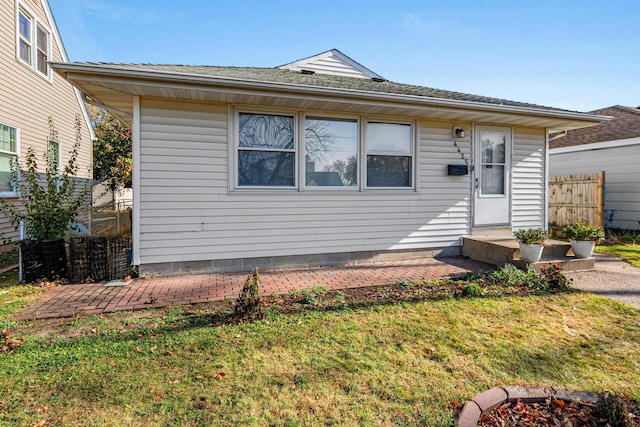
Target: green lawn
[(626, 251), (390, 364)]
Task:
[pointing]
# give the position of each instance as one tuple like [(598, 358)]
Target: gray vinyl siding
[(187, 212), (528, 174), (622, 179)]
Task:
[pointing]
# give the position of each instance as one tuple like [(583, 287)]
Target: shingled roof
[(285, 76), (625, 125)]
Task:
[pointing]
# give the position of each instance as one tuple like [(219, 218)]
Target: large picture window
[(8, 151), (331, 152), (389, 148), (266, 150)]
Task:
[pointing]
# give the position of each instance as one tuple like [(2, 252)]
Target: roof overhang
[(114, 87)]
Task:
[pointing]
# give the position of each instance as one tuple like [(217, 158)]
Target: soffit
[(117, 93)]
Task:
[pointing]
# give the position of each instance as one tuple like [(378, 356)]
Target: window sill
[(48, 78), (9, 195)]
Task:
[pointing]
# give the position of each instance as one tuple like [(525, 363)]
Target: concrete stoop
[(499, 250)]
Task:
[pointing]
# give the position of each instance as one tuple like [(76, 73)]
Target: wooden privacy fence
[(574, 198)]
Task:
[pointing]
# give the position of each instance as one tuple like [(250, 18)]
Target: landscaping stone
[(528, 394), (490, 399), (469, 415)]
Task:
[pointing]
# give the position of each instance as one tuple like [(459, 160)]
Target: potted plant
[(583, 238), (531, 243)]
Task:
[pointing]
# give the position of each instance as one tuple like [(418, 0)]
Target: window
[(24, 37), (266, 150), (8, 151), (53, 155), (389, 149), (34, 43), (43, 51), (493, 163), (331, 158), (330, 152)]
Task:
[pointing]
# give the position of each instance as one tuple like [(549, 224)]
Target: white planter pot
[(582, 248), (531, 253)]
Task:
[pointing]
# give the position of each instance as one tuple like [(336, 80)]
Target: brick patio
[(96, 298)]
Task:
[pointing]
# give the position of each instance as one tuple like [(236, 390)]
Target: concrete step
[(568, 263), (499, 250)]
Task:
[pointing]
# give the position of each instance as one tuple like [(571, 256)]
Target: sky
[(579, 55)]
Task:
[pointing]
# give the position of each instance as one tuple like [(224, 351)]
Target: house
[(317, 161), (612, 147), (30, 93)]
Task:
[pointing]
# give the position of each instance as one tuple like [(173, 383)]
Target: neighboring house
[(318, 161), (612, 147), (30, 93)]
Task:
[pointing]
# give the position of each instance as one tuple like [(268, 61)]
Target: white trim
[(596, 146), (135, 140)]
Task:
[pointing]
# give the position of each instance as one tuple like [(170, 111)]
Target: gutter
[(64, 68)]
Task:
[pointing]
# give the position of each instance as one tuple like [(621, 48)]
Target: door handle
[(476, 182)]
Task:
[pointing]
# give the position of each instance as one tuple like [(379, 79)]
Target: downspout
[(546, 179), (135, 139)]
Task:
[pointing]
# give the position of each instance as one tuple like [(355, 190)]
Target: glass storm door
[(492, 176)]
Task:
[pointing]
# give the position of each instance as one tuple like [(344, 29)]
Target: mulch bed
[(612, 411)]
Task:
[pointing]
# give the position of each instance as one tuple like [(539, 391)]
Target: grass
[(390, 364), (626, 251)]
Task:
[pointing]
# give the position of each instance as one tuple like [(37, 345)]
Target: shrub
[(583, 232), (511, 276), (554, 278), (248, 306), (471, 290), (531, 236), (51, 204)]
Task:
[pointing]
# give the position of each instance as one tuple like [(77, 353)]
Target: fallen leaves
[(7, 343), (218, 376), (552, 412)]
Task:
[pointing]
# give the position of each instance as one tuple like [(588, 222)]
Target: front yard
[(398, 363)]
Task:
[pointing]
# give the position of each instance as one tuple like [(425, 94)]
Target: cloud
[(412, 24), (112, 11), (415, 25)]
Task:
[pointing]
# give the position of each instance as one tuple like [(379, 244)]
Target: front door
[(492, 176)]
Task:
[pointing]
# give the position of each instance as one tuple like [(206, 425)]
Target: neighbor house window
[(34, 43), (8, 151), (331, 152), (266, 150), (24, 37), (53, 155), (389, 151), (43, 51)]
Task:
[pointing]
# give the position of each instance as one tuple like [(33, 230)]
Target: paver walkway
[(96, 298)]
